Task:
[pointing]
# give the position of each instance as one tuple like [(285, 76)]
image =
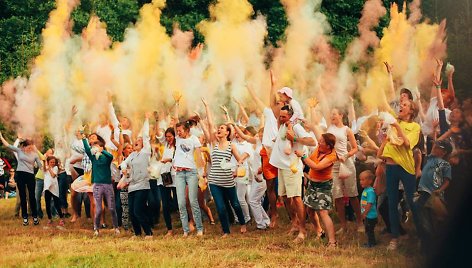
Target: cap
[(445, 145), (287, 91)]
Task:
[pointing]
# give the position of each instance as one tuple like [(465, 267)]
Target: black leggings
[(57, 204), (26, 180)]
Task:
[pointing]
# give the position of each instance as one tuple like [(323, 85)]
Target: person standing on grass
[(51, 189), (138, 188), (318, 196), (368, 206), (290, 168), (27, 157), (101, 180), (400, 165), (220, 178)]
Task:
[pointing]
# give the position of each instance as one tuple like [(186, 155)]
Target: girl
[(51, 189)]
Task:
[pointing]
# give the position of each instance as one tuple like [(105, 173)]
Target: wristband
[(304, 157), (294, 139), (438, 87)]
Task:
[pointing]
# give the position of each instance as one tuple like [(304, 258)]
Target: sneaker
[(61, 222), (185, 235), (104, 226), (49, 222), (117, 231), (393, 245), (200, 233), (25, 222), (35, 221), (148, 237), (95, 233)]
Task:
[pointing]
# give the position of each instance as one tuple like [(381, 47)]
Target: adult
[(400, 165), (344, 186), (27, 157), (220, 178), (138, 179), (290, 168), (318, 197)]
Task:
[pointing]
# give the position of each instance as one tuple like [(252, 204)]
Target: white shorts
[(290, 184)]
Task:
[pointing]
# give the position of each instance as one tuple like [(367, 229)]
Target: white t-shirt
[(278, 158), (77, 152), (341, 139), (270, 128), (184, 152), (297, 110), (51, 183), (243, 147), (105, 133), (431, 114)]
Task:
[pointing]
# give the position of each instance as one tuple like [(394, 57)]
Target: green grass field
[(39, 246)]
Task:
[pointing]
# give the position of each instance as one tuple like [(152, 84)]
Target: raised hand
[(313, 102), (272, 78), (177, 95), (389, 67), (74, 110), (147, 115), (224, 108), (437, 82), (205, 103)]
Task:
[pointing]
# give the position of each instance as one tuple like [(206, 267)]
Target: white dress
[(50, 182)]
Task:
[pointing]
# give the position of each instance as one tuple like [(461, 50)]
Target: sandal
[(332, 244), (393, 245), (321, 235)]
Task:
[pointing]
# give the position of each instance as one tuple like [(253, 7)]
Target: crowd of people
[(404, 160)]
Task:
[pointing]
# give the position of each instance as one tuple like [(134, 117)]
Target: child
[(51, 189), (368, 206), (435, 178)]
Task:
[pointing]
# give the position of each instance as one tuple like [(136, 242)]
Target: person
[(318, 196), (434, 180), (220, 178), (101, 180), (51, 189), (290, 169), (10, 185), (344, 186), (400, 166), (167, 190), (368, 206), (185, 166), (138, 181), (27, 157)]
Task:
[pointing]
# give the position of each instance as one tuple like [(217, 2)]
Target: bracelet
[(294, 139), (304, 157), (438, 87)]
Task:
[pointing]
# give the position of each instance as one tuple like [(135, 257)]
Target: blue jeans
[(166, 204), (137, 211), (63, 187), (395, 173), (182, 179), (220, 194), (38, 193)]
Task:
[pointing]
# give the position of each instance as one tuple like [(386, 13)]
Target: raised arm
[(391, 92), (252, 140), (450, 83), (4, 142), (352, 112), (256, 99), (437, 77), (242, 111), (211, 126), (273, 95), (111, 112), (87, 147), (146, 137)]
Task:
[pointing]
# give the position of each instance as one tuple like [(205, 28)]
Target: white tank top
[(341, 139)]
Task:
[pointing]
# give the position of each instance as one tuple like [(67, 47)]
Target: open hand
[(389, 67)]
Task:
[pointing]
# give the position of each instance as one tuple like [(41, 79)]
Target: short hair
[(25, 143), (408, 92), (369, 174), (185, 125), (415, 109), (329, 139), (287, 108)]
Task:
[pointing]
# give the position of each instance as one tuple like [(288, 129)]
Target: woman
[(27, 157), (220, 178), (138, 187), (397, 153), (318, 196), (344, 186), (242, 183), (168, 189), (186, 175), (51, 189)]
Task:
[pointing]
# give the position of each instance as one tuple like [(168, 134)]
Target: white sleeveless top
[(341, 139)]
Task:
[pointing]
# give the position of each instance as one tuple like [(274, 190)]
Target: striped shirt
[(221, 176)]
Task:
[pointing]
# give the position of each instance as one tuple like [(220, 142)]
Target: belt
[(182, 169)]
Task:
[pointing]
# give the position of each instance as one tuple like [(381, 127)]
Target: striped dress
[(218, 175)]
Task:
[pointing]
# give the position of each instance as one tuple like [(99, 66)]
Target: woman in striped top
[(220, 177)]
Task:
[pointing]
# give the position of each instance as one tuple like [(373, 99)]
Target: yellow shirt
[(400, 154)]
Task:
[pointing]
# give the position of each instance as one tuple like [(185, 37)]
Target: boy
[(435, 178), (368, 206)]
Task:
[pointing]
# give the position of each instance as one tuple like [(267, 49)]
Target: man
[(290, 167)]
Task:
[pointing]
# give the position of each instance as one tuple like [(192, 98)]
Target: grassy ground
[(39, 246)]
